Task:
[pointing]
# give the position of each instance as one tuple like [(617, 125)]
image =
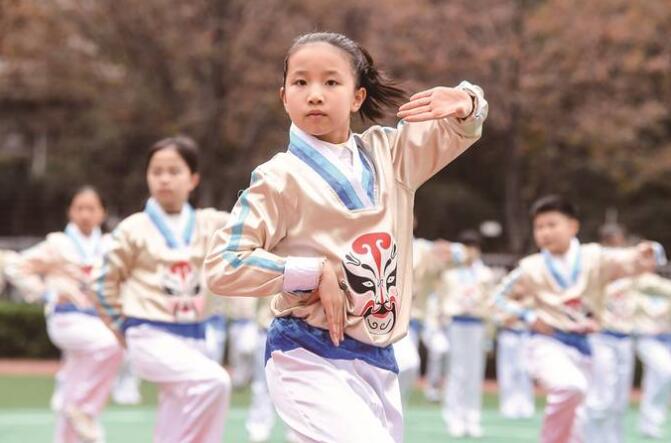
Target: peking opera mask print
[(182, 285), (371, 276)]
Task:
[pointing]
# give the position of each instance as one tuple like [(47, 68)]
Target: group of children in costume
[(323, 237)]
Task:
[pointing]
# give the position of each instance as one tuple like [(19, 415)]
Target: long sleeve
[(509, 294), (653, 284), (7, 257), (421, 149), (238, 260), (109, 274), (27, 271), (629, 262)]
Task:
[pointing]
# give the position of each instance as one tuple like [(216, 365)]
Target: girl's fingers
[(422, 94), (331, 320), (414, 111), (415, 103), (425, 116), (340, 321)]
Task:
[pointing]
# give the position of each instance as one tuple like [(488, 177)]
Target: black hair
[(87, 188), (186, 147), (553, 202), (470, 237), (381, 92)]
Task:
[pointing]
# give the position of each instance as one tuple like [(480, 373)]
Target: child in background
[(565, 282), (58, 271), (150, 289), (465, 297)]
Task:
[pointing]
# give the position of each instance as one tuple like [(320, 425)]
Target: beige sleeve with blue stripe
[(421, 149), (510, 295), (110, 273), (238, 260), (26, 272), (653, 284)]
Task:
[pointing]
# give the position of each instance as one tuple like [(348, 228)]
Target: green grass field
[(24, 417)]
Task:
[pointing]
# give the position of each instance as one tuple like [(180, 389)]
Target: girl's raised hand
[(435, 103)]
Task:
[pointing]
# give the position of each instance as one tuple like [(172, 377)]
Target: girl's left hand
[(436, 103)]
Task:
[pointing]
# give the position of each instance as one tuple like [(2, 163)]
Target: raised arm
[(438, 125)]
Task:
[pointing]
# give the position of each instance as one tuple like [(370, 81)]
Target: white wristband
[(302, 274)]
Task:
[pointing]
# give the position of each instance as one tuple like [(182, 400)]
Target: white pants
[(564, 372), (437, 347), (261, 418), (609, 389), (407, 359), (91, 358), (462, 405), (335, 401), (215, 337), (516, 388), (242, 350), (194, 391), (656, 387), (126, 390)]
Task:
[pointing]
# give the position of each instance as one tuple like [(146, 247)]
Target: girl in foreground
[(328, 227)]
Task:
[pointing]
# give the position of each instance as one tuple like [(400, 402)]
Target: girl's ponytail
[(380, 91)]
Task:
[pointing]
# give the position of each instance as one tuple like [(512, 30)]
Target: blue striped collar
[(565, 281), (331, 174), (88, 248), (368, 174), (158, 218)]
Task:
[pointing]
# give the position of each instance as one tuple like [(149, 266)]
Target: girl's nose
[(315, 97)]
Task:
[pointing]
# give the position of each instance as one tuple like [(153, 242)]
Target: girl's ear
[(359, 98), (283, 97), (195, 181), (575, 226)]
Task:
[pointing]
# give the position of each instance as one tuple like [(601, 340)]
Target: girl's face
[(86, 211), (170, 180), (320, 91)]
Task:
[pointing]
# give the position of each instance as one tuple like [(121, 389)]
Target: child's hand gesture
[(333, 302), (436, 103)]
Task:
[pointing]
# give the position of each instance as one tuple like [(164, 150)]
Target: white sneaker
[(84, 425), (126, 397), (259, 435), (432, 395), (456, 429), (474, 430), (656, 434)]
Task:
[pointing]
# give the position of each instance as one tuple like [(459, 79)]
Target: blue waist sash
[(616, 334), (287, 333), (664, 338), (466, 319), (514, 330), (572, 339), (417, 326), (187, 330), (64, 308)]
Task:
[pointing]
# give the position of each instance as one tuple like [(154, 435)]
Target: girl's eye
[(300, 82), (331, 83)]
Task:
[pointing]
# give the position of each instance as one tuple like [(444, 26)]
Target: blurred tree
[(579, 95)]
